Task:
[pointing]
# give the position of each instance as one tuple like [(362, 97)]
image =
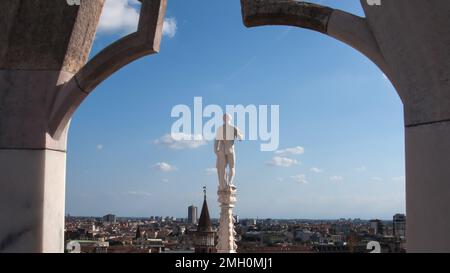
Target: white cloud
[(122, 16), (361, 169), (180, 141), (300, 178), (211, 171), (336, 178), (316, 170), (280, 179), (170, 27), (291, 151), (99, 147), (376, 178), (164, 167), (119, 16), (139, 193), (278, 161)]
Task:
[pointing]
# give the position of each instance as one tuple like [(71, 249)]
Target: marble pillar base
[(428, 188), (32, 201), (227, 200)]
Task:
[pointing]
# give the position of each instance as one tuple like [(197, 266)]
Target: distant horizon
[(240, 218)]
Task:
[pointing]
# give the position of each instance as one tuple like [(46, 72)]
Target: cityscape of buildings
[(157, 234)]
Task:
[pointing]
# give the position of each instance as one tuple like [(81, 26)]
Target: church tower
[(204, 237)]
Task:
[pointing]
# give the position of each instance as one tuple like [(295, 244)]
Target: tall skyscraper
[(109, 218), (204, 237), (399, 225), (192, 215), (376, 227)]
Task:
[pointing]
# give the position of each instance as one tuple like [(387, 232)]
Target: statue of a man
[(224, 149)]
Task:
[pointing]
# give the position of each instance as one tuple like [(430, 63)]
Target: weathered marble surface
[(428, 187), (45, 43), (44, 77), (32, 200)]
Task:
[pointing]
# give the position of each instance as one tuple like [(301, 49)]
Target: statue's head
[(227, 118)]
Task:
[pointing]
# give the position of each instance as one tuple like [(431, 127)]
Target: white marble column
[(227, 200), (32, 200), (44, 77), (428, 187), (32, 163)]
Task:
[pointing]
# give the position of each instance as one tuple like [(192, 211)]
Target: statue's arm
[(238, 134), (216, 145)]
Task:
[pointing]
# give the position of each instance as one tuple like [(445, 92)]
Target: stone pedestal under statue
[(227, 199)]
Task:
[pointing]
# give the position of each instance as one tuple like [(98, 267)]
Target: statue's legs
[(230, 160), (221, 165)]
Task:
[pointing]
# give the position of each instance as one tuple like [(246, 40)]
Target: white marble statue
[(224, 149)]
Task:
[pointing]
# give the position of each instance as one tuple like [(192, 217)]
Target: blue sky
[(334, 103)]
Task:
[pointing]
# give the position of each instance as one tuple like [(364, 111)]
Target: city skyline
[(187, 218), (342, 158)]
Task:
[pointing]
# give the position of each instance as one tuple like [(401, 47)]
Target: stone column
[(428, 187), (409, 41), (414, 38), (227, 200), (44, 46)]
